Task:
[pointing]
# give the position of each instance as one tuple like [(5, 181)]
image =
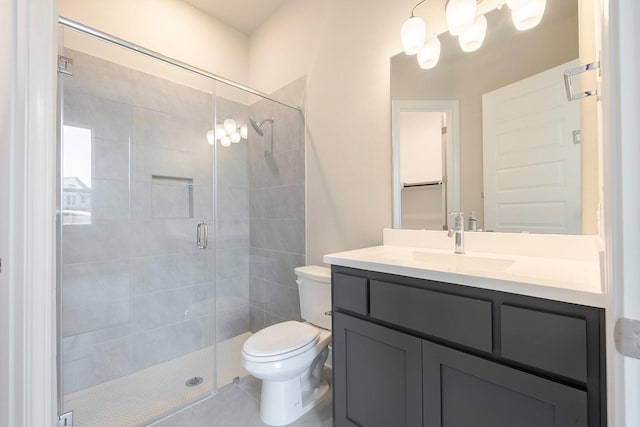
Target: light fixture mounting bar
[(416, 6)]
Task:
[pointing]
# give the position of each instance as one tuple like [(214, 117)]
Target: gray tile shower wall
[(135, 289), (276, 208)]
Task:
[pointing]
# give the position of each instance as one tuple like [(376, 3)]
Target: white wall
[(420, 146), (170, 27), (7, 43), (344, 48)]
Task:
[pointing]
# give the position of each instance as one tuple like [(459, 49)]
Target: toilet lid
[(280, 338)]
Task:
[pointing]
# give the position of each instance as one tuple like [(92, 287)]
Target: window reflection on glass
[(76, 175)]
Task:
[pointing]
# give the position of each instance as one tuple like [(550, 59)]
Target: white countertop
[(568, 270)]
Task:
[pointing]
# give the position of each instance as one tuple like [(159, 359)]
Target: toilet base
[(283, 402)]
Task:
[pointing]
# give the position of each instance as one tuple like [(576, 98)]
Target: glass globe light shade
[(229, 126), (225, 141), (235, 137), (460, 15), (244, 131), (429, 54), (526, 14), (210, 136), (472, 38), (412, 34), (220, 132)]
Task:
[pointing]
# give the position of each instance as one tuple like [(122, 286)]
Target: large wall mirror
[(491, 132)]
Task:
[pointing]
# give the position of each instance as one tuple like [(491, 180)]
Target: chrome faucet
[(457, 232)]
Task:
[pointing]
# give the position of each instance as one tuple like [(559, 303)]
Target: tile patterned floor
[(237, 405), (228, 360)]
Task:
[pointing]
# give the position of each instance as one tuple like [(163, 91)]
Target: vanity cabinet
[(414, 352)]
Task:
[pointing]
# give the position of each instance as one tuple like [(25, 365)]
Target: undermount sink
[(463, 261)]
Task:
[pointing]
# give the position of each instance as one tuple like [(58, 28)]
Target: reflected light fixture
[(463, 21), (460, 15), (227, 132), (471, 39), (526, 14), (220, 132), (429, 54), (229, 126)]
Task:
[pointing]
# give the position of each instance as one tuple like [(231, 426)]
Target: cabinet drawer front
[(350, 293), (552, 342), (462, 320)]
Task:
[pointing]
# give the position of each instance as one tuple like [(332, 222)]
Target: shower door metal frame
[(168, 60)]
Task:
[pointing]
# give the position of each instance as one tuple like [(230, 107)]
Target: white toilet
[(288, 357)]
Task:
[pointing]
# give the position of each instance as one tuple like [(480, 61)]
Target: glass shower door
[(137, 277)]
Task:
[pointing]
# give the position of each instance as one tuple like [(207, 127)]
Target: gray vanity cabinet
[(412, 352)]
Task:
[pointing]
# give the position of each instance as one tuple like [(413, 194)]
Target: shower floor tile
[(229, 359), (147, 394), (237, 405)]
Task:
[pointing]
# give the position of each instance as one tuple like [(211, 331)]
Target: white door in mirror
[(531, 164)]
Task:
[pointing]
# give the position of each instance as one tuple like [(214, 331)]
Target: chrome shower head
[(258, 125)]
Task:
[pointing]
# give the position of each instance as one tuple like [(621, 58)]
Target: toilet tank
[(314, 286)]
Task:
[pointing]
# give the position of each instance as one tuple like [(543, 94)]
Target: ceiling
[(244, 15)]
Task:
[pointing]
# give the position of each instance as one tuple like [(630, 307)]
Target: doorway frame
[(451, 108)]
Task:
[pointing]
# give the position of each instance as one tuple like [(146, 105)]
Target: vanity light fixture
[(463, 21), (413, 34)]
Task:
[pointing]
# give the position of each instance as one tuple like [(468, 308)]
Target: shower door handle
[(202, 235)]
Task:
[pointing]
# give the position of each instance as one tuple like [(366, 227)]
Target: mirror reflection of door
[(423, 169), (532, 156)]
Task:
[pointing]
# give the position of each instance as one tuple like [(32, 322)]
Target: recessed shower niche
[(171, 197)]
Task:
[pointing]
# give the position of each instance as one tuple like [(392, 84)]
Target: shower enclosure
[(180, 225)]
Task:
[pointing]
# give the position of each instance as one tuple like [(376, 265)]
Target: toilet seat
[(280, 341)]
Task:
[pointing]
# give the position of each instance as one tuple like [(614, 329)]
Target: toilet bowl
[(288, 357)]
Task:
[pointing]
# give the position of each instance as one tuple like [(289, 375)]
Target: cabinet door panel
[(462, 390), (377, 379)]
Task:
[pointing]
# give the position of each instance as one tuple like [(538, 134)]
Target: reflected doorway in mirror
[(425, 163)]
